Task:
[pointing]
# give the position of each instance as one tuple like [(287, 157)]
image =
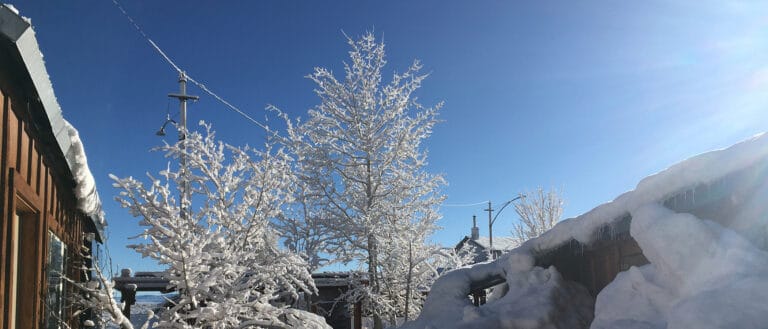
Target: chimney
[(475, 230)]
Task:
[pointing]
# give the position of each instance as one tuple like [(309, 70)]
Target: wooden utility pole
[(490, 229), (492, 220)]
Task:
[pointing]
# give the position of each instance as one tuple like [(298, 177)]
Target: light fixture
[(161, 132)]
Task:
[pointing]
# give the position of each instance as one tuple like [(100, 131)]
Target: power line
[(232, 107), (179, 70), (464, 204)]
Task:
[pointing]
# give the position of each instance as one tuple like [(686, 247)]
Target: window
[(56, 264)]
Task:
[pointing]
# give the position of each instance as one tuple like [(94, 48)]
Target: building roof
[(17, 31), (500, 243), (700, 170)]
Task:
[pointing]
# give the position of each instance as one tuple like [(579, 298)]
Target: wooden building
[(476, 249), (47, 214)]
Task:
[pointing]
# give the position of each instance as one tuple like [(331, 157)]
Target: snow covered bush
[(362, 164), (216, 240)]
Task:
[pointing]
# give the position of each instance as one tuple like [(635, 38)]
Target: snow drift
[(701, 274), (536, 298)]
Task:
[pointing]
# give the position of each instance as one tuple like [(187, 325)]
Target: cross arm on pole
[(184, 96)]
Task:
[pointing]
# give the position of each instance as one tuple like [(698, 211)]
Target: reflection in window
[(55, 299)]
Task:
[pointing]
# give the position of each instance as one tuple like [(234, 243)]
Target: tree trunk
[(372, 278), (409, 279)]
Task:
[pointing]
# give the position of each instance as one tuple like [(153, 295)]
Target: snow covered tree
[(538, 211), (361, 153), (96, 295), (301, 226), (220, 250), (410, 267)]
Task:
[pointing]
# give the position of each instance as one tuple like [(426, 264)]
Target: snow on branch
[(217, 241)]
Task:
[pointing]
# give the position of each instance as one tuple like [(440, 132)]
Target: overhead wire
[(179, 70), (464, 204)]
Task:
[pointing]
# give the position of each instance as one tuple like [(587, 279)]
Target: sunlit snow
[(701, 274)]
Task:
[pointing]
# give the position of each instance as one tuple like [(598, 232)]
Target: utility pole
[(492, 220), (183, 97), (490, 229)]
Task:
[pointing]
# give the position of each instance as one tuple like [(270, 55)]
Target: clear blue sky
[(585, 96)]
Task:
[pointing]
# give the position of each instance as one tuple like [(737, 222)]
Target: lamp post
[(492, 219)]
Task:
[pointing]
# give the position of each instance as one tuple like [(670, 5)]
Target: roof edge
[(19, 31)]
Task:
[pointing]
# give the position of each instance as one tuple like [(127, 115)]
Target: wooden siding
[(37, 184), (596, 265)]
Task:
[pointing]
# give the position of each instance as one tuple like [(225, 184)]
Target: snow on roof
[(11, 8), (712, 277), (701, 169), (18, 30), (87, 197), (502, 243)]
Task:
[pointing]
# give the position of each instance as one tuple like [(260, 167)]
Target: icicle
[(693, 196)]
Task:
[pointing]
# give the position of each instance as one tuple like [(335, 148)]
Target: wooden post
[(358, 316), (128, 296)]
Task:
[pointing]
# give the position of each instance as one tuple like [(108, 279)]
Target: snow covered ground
[(701, 274)]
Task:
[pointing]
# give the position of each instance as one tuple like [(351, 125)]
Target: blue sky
[(588, 97)]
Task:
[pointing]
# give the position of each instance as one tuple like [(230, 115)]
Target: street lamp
[(493, 220), (168, 120)]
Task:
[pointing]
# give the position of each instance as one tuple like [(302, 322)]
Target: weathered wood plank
[(23, 155)]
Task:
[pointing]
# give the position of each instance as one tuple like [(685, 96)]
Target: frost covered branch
[(364, 189), (222, 253)]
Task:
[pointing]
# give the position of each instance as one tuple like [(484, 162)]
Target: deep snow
[(701, 274)]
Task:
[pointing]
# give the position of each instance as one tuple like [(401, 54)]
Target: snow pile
[(701, 275), (535, 298), (87, 197)]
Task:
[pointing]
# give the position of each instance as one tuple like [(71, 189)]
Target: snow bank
[(535, 298), (702, 275), (87, 197)]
